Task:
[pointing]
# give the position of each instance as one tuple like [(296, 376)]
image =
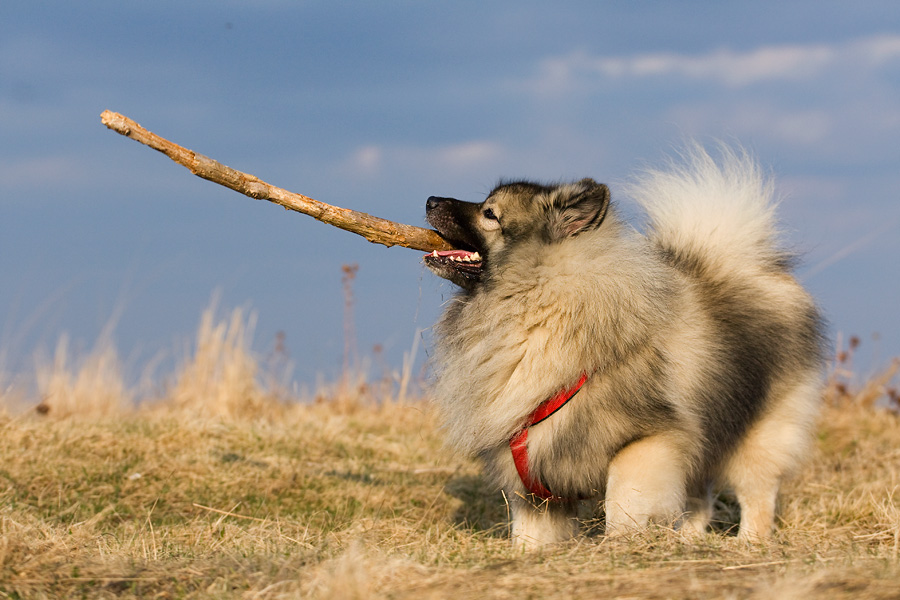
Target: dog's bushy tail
[(719, 212)]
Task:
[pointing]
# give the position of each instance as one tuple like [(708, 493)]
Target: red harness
[(519, 447)]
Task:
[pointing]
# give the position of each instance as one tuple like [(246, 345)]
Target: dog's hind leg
[(772, 449), (698, 510), (754, 473), (536, 524), (646, 482)]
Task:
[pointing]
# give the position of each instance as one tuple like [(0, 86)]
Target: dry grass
[(221, 489), (94, 388)]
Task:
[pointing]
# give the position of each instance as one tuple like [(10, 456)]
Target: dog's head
[(513, 213)]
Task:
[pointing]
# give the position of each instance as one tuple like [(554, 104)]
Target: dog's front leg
[(536, 522), (646, 483)]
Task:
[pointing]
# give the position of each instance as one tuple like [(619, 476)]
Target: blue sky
[(375, 106)]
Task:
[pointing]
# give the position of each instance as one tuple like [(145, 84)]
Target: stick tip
[(116, 122)]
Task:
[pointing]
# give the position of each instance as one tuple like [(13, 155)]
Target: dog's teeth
[(467, 258), (435, 254)]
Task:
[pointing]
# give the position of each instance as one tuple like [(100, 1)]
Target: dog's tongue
[(450, 253)]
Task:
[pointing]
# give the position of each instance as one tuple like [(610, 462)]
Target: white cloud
[(724, 66), (367, 159), (54, 172), (795, 127), (372, 160), (823, 98), (467, 154)]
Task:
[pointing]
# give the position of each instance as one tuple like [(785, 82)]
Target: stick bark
[(374, 229)]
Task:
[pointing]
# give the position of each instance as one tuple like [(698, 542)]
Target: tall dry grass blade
[(91, 387), (876, 388), (409, 359), (219, 379)]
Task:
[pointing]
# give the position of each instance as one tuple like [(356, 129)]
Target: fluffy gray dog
[(583, 359)]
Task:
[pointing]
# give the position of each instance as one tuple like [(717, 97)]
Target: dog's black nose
[(432, 202)]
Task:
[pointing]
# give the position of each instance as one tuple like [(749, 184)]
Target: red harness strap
[(518, 443)]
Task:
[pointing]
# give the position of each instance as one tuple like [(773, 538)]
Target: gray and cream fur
[(703, 353)]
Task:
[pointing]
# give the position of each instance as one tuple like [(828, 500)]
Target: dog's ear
[(581, 208)]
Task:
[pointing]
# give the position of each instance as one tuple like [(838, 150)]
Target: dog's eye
[(489, 214)]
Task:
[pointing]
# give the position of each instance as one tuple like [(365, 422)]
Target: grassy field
[(221, 489)]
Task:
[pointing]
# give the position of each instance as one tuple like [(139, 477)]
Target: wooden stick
[(374, 229)]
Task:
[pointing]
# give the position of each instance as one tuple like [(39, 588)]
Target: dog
[(583, 359)]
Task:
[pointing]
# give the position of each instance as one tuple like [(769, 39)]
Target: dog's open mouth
[(462, 267), (459, 260), (451, 218)]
